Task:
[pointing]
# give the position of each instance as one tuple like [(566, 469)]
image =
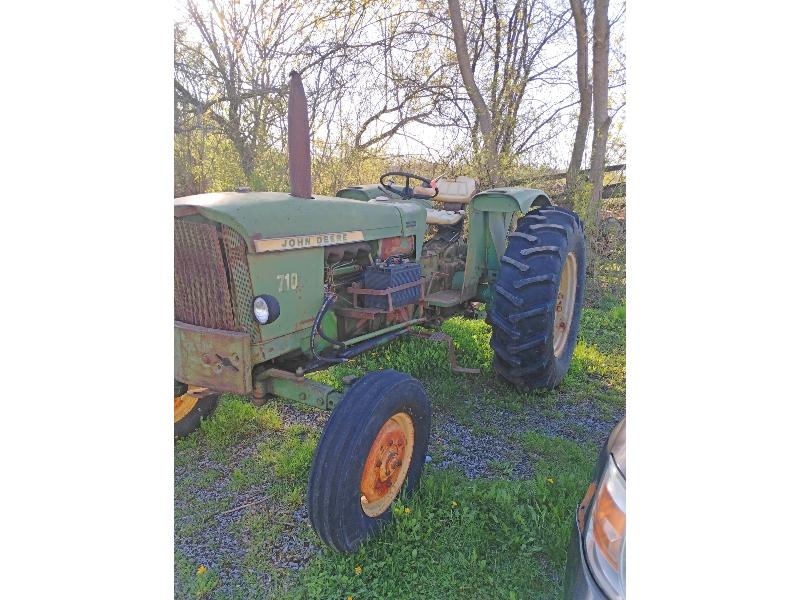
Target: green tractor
[(271, 286)]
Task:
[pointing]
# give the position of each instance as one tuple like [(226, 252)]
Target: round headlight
[(261, 310), (266, 308)]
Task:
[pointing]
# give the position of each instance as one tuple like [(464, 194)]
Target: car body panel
[(579, 583)]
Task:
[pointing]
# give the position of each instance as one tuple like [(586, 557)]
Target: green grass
[(467, 539), (284, 460), (502, 539), (197, 582), (234, 420)]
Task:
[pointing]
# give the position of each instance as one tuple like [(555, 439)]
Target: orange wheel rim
[(387, 464), (565, 304), (185, 403)]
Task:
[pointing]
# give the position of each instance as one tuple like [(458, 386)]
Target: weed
[(557, 455), (292, 459), (471, 340), (194, 581), (236, 419), (206, 478)]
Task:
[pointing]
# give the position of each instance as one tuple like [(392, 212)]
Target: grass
[(455, 538), (467, 539), (253, 454), (199, 581), (236, 419)]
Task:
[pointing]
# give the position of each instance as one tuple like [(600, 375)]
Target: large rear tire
[(538, 299), (373, 444)]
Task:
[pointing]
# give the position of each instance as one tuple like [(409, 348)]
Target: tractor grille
[(241, 284), (201, 285), (212, 278)]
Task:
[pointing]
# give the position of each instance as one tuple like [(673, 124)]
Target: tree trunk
[(482, 113), (245, 152), (248, 162), (600, 50), (585, 90)]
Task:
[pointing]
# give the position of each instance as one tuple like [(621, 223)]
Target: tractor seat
[(443, 217), (459, 191)]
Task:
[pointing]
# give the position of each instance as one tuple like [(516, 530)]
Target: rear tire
[(538, 299), (381, 411)]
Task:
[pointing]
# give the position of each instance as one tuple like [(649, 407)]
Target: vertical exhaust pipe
[(299, 137)]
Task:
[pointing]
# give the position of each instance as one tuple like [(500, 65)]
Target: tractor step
[(444, 298)]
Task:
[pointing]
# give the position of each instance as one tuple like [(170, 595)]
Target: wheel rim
[(387, 464), (565, 304), (184, 405)]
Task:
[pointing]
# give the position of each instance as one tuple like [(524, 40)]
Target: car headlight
[(604, 537), (265, 309)]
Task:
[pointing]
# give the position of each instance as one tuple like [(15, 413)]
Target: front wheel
[(191, 405), (373, 444), (538, 298)]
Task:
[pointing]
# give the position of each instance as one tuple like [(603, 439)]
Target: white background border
[(87, 282)]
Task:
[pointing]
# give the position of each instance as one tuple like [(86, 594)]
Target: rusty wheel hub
[(565, 304), (387, 464)]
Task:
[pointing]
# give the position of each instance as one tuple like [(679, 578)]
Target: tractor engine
[(253, 271)]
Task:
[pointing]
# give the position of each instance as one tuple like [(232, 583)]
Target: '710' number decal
[(287, 281)]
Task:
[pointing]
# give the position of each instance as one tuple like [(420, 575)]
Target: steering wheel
[(407, 192)]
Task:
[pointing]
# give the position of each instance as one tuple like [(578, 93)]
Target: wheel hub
[(565, 304), (387, 464)]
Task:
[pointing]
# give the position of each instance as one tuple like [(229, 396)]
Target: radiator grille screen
[(241, 284), (202, 296)]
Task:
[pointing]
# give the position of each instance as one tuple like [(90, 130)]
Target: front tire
[(373, 444), (191, 405), (538, 299)]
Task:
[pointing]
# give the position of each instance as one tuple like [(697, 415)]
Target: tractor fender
[(510, 199)]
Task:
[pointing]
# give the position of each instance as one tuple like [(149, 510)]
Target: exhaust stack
[(299, 137)]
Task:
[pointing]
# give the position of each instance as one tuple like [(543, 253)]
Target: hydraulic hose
[(316, 329)]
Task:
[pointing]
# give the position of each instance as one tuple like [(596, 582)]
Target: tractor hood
[(263, 217)]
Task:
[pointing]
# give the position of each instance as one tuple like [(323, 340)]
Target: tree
[(225, 73), (484, 117), (361, 64), (585, 92), (600, 51), (510, 53)]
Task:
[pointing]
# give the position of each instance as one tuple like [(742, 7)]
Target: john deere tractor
[(271, 286)]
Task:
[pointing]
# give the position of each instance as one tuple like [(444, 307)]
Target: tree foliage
[(487, 88)]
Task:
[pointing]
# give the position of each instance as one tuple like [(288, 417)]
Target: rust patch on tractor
[(212, 358), (202, 296), (185, 211), (396, 246), (307, 324)]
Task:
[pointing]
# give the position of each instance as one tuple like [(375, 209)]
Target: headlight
[(265, 309), (605, 533)]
